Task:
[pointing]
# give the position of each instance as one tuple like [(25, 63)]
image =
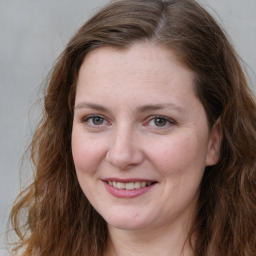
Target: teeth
[(129, 185), (120, 185), (137, 185)]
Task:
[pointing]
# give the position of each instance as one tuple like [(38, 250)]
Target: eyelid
[(85, 118), (171, 121), (88, 117)]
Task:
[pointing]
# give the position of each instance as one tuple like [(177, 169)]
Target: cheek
[(180, 155), (87, 155), (87, 152)]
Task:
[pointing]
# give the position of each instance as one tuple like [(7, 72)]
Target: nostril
[(124, 158)]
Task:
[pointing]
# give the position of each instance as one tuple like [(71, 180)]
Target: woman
[(147, 143)]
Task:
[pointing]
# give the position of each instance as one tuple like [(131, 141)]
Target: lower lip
[(125, 193)]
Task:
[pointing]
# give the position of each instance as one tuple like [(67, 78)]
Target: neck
[(165, 241)]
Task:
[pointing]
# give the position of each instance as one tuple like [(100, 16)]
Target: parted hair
[(53, 217)]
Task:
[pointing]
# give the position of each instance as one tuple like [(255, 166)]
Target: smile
[(129, 185), (128, 188)]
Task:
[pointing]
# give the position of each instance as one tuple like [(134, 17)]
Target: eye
[(95, 120), (161, 122)]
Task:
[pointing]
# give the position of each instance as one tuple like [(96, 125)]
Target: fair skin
[(140, 144)]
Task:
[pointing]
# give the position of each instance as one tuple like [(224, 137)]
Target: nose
[(124, 151)]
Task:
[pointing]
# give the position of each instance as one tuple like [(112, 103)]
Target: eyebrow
[(153, 107), (141, 109), (91, 106)]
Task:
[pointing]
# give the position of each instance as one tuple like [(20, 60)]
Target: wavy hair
[(53, 216)]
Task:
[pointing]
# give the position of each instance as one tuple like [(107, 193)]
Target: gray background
[(32, 34)]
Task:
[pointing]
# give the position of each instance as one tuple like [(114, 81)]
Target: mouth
[(128, 188), (129, 185)]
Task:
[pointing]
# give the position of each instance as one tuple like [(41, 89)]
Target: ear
[(214, 144)]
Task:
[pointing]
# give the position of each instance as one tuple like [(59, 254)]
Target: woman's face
[(140, 138)]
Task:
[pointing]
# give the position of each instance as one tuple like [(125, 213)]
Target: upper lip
[(129, 180)]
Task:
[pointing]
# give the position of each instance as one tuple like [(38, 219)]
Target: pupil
[(97, 120), (160, 122)]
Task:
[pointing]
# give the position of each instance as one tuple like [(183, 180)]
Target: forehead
[(138, 76), (141, 60)]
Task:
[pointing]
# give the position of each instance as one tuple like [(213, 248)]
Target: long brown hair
[(59, 220)]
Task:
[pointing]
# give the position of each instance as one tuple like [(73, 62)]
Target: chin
[(126, 226), (126, 223)]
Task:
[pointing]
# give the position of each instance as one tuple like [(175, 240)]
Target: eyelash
[(93, 117), (167, 121)]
